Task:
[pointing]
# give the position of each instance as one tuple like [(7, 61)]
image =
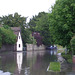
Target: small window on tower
[(19, 37), (19, 45)]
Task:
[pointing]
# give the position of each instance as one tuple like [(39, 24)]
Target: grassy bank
[(68, 57), (54, 66)]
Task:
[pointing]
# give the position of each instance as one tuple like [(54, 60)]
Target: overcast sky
[(26, 8)]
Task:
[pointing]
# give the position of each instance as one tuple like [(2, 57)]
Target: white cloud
[(24, 7)]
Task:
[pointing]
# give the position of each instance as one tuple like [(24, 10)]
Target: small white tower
[(19, 43)]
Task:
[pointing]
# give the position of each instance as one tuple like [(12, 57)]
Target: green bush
[(7, 36), (0, 40), (70, 60), (31, 40), (73, 44), (68, 57), (73, 41)]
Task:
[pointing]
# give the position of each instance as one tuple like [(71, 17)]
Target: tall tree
[(16, 20), (7, 36), (62, 21), (32, 23), (13, 20), (40, 24)]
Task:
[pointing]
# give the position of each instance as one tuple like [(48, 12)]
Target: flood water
[(30, 63)]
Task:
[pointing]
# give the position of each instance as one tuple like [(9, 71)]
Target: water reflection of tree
[(48, 57), (8, 62), (42, 61)]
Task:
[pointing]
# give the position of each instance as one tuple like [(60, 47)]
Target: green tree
[(62, 22), (16, 20), (7, 36), (0, 39), (32, 23), (73, 44), (25, 35), (11, 20), (40, 24), (31, 40)]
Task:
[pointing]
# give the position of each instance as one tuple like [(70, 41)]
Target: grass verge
[(68, 57), (54, 66)]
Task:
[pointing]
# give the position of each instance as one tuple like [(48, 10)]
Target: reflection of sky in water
[(4, 73)]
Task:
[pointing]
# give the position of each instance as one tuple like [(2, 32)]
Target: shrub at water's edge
[(73, 45), (68, 57), (7, 36)]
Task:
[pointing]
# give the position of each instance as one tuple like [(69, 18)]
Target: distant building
[(19, 44)]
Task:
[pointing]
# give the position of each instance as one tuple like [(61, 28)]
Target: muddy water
[(30, 63)]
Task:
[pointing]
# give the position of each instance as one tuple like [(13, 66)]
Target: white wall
[(19, 43)]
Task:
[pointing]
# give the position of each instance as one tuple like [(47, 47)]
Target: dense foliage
[(7, 36), (62, 22), (16, 20), (31, 40), (73, 41), (40, 24), (73, 44), (13, 20)]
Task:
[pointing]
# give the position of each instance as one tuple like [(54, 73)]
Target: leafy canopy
[(62, 22), (7, 36), (40, 24), (16, 20)]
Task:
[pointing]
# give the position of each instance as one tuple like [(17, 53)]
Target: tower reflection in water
[(19, 61)]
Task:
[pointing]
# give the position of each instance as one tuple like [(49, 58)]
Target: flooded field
[(30, 63)]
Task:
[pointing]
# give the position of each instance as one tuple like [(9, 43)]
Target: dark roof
[(16, 30)]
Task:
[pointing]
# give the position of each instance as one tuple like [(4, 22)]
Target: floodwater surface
[(30, 63)]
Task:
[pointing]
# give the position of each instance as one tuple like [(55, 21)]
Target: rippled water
[(30, 63)]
